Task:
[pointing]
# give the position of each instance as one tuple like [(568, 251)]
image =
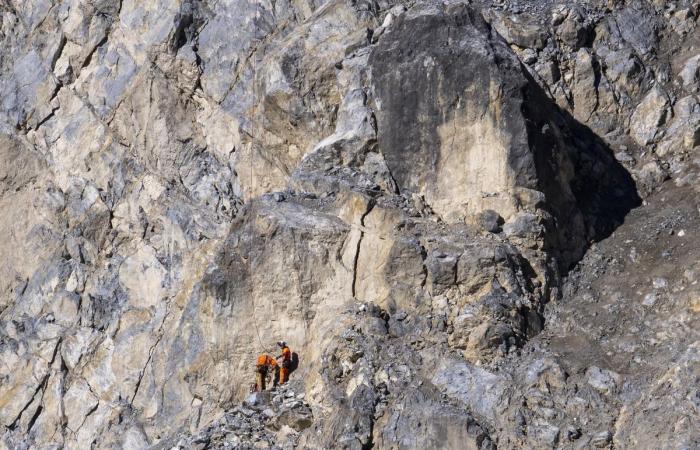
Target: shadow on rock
[(603, 190)]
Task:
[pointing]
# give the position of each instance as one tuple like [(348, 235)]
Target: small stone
[(573, 433), (489, 220), (529, 56), (649, 299), (257, 398), (690, 275), (524, 225), (601, 439), (72, 283), (545, 434), (691, 72), (603, 380), (660, 283), (624, 157)]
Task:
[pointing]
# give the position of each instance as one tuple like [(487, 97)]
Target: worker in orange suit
[(285, 360), (265, 364)]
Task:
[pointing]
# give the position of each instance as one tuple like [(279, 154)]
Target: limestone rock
[(649, 116), (603, 380), (464, 133), (640, 28), (571, 27), (521, 30), (624, 70), (489, 220), (690, 74)]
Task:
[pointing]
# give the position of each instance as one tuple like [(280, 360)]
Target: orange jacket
[(286, 354), (266, 360)]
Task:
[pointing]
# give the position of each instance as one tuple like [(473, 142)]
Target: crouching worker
[(266, 364)]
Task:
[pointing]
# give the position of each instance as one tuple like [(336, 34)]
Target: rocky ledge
[(266, 420)]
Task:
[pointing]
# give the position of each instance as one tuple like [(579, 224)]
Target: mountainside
[(475, 222)]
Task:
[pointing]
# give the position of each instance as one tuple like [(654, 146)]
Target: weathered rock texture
[(431, 202)]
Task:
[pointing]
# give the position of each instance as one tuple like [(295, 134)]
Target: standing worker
[(264, 365), (285, 361)]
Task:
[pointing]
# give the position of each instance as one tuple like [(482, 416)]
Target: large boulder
[(449, 100)]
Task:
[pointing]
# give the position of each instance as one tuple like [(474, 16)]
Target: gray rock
[(602, 439), (524, 225), (522, 30), (573, 433), (258, 399), (639, 27), (625, 71), (649, 116), (585, 89), (605, 381), (295, 419), (529, 56), (545, 435), (419, 31), (690, 73), (489, 220), (572, 28)]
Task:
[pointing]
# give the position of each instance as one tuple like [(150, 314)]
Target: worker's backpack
[(293, 363)]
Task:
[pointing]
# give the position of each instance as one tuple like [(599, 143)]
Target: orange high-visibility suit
[(286, 357), (264, 364)]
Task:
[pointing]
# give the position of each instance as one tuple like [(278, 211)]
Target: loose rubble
[(266, 420)]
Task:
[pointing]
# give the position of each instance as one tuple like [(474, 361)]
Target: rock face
[(431, 202)]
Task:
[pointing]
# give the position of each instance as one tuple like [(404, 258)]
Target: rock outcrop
[(431, 202)]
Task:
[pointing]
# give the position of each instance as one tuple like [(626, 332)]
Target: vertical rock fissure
[(62, 398), (88, 58), (143, 371), (39, 390), (370, 206), (36, 415), (150, 352), (59, 51), (372, 419)]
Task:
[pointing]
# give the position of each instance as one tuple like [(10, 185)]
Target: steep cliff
[(473, 221)]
